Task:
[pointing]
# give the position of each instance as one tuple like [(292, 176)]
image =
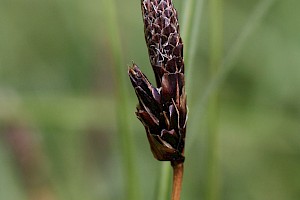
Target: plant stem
[(127, 146), (186, 20), (164, 181), (177, 180), (191, 51), (213, 149), (216, 52)]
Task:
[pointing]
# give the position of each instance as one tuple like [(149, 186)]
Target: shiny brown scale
[(162, 109)]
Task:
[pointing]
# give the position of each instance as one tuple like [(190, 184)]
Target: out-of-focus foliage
[(58, 135)]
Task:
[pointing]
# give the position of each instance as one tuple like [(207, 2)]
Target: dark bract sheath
[(162, 109)]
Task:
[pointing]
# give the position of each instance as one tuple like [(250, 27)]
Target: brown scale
[(162, 109)]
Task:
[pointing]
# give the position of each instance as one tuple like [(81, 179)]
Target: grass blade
[(216, 54), (120, 70), (186, 19), (191, 52), (164, 182)]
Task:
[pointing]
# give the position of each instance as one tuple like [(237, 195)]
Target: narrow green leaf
[(125, 134)]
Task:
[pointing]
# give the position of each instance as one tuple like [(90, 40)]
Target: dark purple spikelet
[(162, 109)]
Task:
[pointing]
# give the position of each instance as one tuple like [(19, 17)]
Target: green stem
[(193, 46), (186, 24), (216, 52), (164, 182), (127, 146)]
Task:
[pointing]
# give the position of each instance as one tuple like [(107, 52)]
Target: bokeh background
[(67, 120)]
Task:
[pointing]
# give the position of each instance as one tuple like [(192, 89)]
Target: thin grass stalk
[(227, 65), (186, 22), (164, 182), (191, 51), (127, 146), (193, 45), (216, 53)]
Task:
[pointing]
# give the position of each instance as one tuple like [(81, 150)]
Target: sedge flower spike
[(162, 109)]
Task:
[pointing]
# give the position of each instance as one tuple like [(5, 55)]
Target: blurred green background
[(62, 92)]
